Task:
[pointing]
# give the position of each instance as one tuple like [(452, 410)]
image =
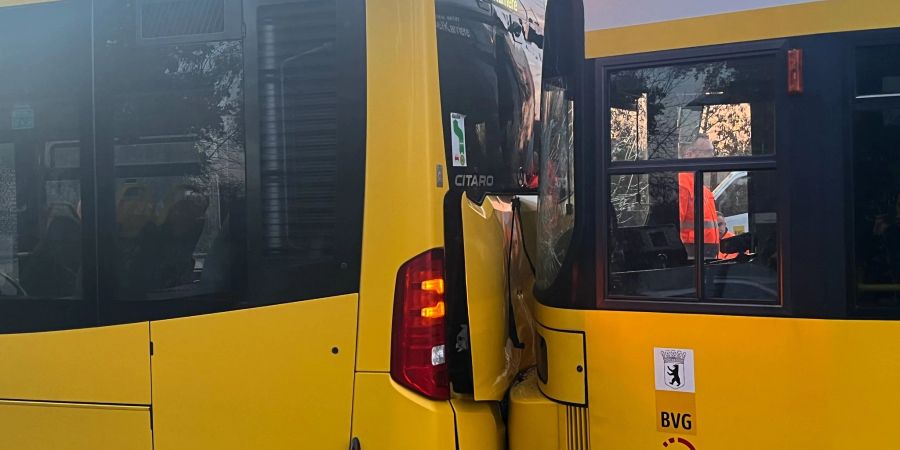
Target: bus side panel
[(652, 25), (278, 377), (770, 383), (60, 426), (389, 416), (95, 365), (405, 168)]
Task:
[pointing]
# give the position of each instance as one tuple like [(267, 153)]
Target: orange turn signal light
[(434, 312), (436, 286)]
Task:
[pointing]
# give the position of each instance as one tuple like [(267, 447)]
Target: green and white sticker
[(458, 139)]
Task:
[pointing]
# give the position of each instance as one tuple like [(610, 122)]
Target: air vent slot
[(177, 18), (578, 437)]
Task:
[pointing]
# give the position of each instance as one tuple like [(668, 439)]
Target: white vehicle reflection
[(731, 201)]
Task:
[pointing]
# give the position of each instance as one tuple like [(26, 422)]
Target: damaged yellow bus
[(780, 331), (236, 224)]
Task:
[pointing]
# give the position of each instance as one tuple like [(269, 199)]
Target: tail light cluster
[(418, 341)]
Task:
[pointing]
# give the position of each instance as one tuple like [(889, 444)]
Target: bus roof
[(620, 27)]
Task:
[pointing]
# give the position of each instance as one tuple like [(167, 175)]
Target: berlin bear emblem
[(673, 364)]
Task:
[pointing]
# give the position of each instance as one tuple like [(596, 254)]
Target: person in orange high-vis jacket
[(701, 148), (725, 233)]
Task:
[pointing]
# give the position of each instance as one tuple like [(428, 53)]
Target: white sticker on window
[(22, 117), (674, 369), (458, 139)]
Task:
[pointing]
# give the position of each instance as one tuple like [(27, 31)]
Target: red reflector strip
[(795, 71)]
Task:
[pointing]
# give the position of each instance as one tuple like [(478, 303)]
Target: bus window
[(877, 71), (42, 73), (876, 169), (877, 198), (490, 55), (171, 116), (659, 113), (648, 255), (747, 265), (675, 225)]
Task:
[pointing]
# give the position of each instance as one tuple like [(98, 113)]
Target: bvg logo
[(684, 442), (676, 420)]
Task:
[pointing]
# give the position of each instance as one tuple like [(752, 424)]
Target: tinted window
[(172, 119), (42, 76), (878, 70), (228, 166), (490, 56), (45, 266), (702, 110), (877, 198)]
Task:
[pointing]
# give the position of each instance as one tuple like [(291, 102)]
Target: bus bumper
[(534, 420), (389, 416)]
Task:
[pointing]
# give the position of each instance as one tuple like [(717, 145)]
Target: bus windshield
[(490, 58)]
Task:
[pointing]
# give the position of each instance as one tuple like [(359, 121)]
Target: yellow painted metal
[(264, 378), (403, 213), (762, 383), (793, 20), (566, 380), (495, 361), (533, 418), (60, 426), (98, 365), (478, 425), (389, 416)]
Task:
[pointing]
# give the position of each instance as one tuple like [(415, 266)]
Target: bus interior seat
[(54, 267)]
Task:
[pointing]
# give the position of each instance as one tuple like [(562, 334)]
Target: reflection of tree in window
[(628, 131), (630, 199), (178, 111), (676, 104)]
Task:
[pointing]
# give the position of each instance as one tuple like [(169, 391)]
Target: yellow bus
[(264, 224), (780, 330)]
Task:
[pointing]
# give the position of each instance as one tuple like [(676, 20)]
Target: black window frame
[(605, 167)]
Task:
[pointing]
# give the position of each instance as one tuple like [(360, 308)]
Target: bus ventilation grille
[(578, 427), (299, 136), (181, 18)]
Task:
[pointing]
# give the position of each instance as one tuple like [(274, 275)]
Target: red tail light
[(419, 336)]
